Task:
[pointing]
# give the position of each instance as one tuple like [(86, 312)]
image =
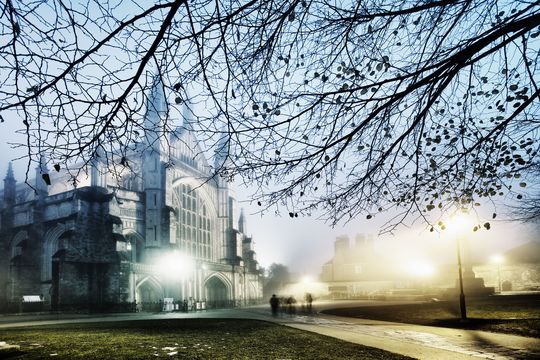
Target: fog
[(304, 244)]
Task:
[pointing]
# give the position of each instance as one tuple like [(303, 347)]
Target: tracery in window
[(194, 224)]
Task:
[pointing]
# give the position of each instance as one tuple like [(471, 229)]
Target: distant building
[(356, 270), (166, 229), (519, 269)]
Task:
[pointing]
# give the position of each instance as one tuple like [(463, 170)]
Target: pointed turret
[(42, 180), (157, 103), (153, 170), (9, 173), (9, 187), (156, 112), (242, 226), (221, 154), (187, 122), (226, 196), (96, 178), (187, 116)]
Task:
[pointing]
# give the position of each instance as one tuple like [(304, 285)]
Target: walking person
[(274, 304), (309, 301)]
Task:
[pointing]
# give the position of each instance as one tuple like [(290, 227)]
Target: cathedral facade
[(166, 230)]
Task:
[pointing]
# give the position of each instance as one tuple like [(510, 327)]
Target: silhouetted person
[(185, 307), (291, 301), (309, 301), (274, 304)]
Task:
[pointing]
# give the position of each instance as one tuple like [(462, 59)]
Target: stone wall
[(88, 285)]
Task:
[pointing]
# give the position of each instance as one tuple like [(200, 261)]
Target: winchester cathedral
[(166, 231)]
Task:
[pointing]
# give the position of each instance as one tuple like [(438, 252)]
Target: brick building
[(166, 229)]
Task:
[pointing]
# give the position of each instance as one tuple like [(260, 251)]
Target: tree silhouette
[(277, 278), (352, 107)]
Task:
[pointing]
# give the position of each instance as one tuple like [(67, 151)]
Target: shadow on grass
[(10, 353)]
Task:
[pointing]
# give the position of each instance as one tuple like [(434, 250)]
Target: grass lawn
[(518, 315), (180, 339)]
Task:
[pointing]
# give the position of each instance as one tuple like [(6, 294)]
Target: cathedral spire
[(9, 187)]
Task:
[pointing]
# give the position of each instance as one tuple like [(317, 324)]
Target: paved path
[(421, 342)]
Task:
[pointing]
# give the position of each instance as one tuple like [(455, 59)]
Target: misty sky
[(305, 244)]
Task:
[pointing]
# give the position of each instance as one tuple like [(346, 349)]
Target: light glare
[(497, 259), (176, 264), (420, 268), (459, 223)]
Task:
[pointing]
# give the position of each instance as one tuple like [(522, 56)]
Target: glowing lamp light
[(460, 223), (176, 265), (497, 259), (420, 268), (307, 279)]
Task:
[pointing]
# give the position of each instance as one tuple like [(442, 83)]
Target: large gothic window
[(194, 224)]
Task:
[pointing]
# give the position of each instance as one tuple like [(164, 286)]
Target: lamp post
[(462, 305), (460, 223)]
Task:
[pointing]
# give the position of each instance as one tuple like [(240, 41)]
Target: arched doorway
[(17, 268), (55, 244), (217, 293), (148, 295)]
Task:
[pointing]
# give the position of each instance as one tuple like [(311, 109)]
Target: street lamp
[(460, 223), (462, 306), (498, 260)]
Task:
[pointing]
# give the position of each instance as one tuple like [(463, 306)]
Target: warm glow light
[(459, 223), (306, 284), (176, 264), (497, 259), (419, 268)]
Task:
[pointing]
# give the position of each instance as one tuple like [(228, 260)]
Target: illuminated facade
[(166, 229)]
